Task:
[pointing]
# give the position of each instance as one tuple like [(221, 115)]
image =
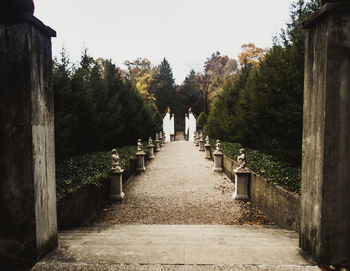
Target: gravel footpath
[(180, 187)]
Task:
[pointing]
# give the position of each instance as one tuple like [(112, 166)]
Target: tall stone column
[(28, 227), (325, 200)]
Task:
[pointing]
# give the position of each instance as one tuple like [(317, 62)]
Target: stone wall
[(75, 208), (278, 204), (325, 201), (27, 161)]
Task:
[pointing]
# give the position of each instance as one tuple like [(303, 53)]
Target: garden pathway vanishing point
[(178, 215)]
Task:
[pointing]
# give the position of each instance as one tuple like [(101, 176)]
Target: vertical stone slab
[(325, 200), (28, 227)]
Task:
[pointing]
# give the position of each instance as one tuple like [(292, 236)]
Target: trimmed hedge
[(91, 168), (275, 171)]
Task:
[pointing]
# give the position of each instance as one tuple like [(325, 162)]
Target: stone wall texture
[(75, 208), (278, 204), (27, 161), (325, 220)]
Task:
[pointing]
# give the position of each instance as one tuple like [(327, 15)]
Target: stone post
[(161, 139), (325, 198), (201, 143), (150, 148), (157, 142), (140, 157), (218, 156), (27, 157), (207, 148), (241, 178), (197, 139), (116, 193)]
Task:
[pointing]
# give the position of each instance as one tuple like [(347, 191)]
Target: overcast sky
[(186, 32)]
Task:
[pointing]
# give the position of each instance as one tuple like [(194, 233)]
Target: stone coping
[(22, 17), (324, 11)]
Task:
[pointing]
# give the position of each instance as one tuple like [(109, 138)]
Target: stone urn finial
[(15, 6)]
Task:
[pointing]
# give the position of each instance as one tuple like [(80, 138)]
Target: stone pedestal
[(201, 144), (150, 149), (157, 148), (218, 157), (140, 161), (197, 140), (207, 151), (117, 185), (241, 184), (28, 217), (325, 200), (161, 140)]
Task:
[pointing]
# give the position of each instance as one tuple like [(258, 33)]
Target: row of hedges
[(275, 171), (91, 168)]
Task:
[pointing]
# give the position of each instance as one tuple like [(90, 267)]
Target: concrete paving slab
[(169, 245)]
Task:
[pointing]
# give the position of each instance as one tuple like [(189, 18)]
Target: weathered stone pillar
[(201, 143), (207, 148), (218, 156), (150, 148), (161, 139), (117, 178), (325, 199), (140, 157), (241, 184), (157, 142), (197, 139), (28, 227)]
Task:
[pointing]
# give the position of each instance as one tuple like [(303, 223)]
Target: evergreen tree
[(263, 107), (96, 108), (163, 87), (189, 95)]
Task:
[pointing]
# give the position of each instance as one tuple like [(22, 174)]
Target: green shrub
[(275, 171), (157, 119), (91, 168), (202, 120)]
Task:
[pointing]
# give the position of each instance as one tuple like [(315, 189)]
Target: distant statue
[(139, 145), (241, 159), (157, 136), (115, 159), (207, 140), (192, 126), (172, 126), (150, 141), (167, 125)]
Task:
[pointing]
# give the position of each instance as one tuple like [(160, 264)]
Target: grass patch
[(266, 165)]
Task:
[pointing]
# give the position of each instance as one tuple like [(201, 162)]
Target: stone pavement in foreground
[(176, 247)]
